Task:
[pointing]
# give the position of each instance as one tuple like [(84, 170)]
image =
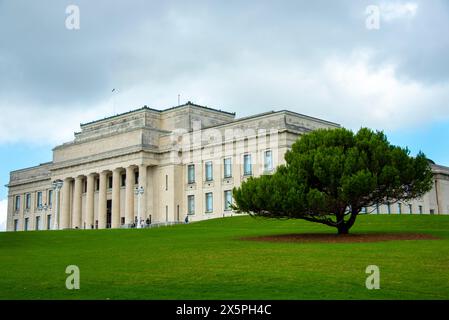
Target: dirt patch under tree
[(346, 238)]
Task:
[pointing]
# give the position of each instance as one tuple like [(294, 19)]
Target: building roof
[(188, 104)]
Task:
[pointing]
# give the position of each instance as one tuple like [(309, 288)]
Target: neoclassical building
[(161, 166)]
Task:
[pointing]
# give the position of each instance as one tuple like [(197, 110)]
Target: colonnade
[(72, 205)]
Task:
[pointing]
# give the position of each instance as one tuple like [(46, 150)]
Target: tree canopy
[(331, 174)]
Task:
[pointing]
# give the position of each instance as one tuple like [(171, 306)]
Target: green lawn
[(206, 260)]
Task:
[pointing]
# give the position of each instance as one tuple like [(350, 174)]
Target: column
[(65, 212), (76, 215), (129, 195), (90, 192), (143, 198), (102, 200), (116, 177)]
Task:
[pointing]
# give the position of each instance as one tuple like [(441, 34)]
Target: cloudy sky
[(317, 58)]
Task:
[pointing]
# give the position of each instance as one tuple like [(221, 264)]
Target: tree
[(331, 174)]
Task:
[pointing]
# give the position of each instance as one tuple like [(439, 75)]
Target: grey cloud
[(173, 45)]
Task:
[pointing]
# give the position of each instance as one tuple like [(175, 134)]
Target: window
[(50, 198), (227, 200), (110, 182), (191, 204), (49, 222), (38, 222), (420, 209), (97, 184), (209, 202), (410, 209), (247, 168), (268, 161), (432, 211), (16, 224), (123, 180), (17, 203), (209, 173), (136, 177), (26, 225), (84, 185), (28, 201), (39, 199), (122, 221), (227, 168), (191, 173), (399, 208)]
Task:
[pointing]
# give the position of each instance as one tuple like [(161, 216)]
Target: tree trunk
[(343, 228)]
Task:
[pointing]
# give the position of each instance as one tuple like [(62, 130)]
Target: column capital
[(104, 173)]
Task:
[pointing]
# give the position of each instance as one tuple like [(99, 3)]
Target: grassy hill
[(208, 260)]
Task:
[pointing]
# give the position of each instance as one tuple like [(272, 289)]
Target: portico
[(84, 197)]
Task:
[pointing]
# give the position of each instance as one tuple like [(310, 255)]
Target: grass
[(206, 260)]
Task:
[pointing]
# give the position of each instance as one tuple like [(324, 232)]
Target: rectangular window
[(50, 198), (39, 199), (28, 201), (191, 204), (420, 209), (247, 167), (16, 224), (209, 202), (136, 177), (191, 173), (49, 222), (84, 185), (227, 200), (17, 203), (38, 223), (97, 184), (110, 182), (26, 225), (268, 161), (123, 180), (209, 173), (227, 168)]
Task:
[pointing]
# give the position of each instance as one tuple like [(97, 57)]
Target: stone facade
[(185, 161)]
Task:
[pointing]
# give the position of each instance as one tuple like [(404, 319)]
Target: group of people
[(143, 223), (146, 223)]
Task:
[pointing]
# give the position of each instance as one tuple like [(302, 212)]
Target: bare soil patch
[(346, 238)]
